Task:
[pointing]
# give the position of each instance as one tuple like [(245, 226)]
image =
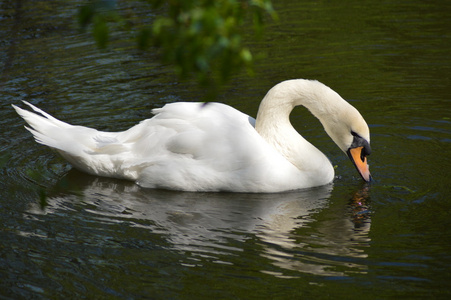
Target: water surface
[(67, 234)]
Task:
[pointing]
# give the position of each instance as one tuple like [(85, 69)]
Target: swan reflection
[(325, 246), (295, 232)]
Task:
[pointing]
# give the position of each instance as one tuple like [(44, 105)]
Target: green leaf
[(143, 39), (85, 14), (100, 31)]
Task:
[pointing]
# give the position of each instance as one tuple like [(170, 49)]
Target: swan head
[(357, 153), (349, 131)]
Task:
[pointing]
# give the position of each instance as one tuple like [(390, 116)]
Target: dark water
[(66, 234)]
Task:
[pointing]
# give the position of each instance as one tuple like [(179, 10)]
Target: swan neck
[(273, 124), (278, 103)]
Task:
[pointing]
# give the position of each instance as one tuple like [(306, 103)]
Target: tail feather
[(57, 134), (52, 119), (85, 148), (44, 127)]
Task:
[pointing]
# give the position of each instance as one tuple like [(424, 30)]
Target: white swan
[(214, 147)]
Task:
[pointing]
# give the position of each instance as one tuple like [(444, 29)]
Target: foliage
[(203, 38)]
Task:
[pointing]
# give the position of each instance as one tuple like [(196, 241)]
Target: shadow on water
[(286, 228)]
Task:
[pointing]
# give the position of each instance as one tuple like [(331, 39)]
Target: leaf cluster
[(201, 38)]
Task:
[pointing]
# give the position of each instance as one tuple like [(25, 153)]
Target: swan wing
[(197, 146)]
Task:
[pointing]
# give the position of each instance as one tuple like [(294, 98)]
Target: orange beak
[(355, 154)]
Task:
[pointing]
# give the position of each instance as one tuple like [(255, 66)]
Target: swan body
[(214, 147)]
